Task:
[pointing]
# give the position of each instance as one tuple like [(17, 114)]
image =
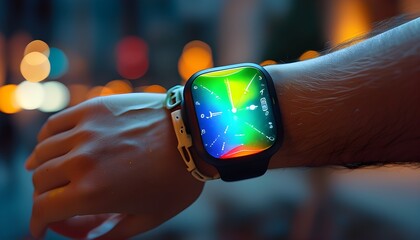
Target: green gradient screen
[(234, 112)]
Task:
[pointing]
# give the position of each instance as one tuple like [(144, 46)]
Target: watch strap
[(174, 97), (246, 170), (173, 101)]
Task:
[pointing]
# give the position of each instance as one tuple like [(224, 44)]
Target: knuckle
[(40, 153), (41, 147), (93, 102), (130, 145), (51, 119), (37, 150), (35, 178), (83, 162), (86, 134), (83, 157), (39, 174)]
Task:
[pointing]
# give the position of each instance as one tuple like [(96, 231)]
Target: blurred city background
[(55, 54)]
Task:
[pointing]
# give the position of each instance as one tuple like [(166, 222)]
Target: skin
[(104, 159), (357, 105), (82, 154)]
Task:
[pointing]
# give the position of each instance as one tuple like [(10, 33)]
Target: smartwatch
[(232, 115)]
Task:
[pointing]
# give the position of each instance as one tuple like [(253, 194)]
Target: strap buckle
[(174, 97)]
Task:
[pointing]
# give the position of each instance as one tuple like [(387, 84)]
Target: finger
[(61, 122), (129, 226), (29, 165), (50, 175), (55, 205), (78, 227), (52, 147)]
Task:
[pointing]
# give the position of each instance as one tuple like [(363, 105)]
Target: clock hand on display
[(249, 84), (230, 95), (251, 107), (246, 90)]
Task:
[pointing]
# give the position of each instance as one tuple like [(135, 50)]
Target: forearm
[(360, 104)]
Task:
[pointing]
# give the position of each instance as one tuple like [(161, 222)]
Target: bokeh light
[(132, 57), (119, 86), (308, 55), (154, 89), (29, 95), (350, 19), (8, 102), (56, 97), (37, 46), (268, 62), (196, 56), (99, 91), (78, 93), (59, 63), (35, 67)]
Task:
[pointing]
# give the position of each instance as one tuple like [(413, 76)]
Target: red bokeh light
[(132, 57)]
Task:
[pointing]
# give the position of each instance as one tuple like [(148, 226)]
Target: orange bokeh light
[(119, 86), (268, 62), (349, 20), (37, 46), (8, 102), (196, 56), (99, 91), (35, 67), (154, 89), (308, 55)]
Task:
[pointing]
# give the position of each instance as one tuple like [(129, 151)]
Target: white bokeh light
[(56, 98), (29, 95)]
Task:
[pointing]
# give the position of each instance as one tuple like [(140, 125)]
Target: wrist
[(289, 155), (305, 127), (354, 105)]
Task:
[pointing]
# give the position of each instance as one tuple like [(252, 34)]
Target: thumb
[(79, 227), (129, 226)]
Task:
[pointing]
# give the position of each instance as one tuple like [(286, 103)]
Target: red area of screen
[(241, 151)]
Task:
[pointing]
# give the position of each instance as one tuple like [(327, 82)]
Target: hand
[(115, 154)]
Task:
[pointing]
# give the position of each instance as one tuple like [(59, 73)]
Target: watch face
[(234, 111)]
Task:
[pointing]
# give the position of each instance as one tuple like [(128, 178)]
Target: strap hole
[(187, 156)]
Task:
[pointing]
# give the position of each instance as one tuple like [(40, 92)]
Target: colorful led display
[(234, 112)]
